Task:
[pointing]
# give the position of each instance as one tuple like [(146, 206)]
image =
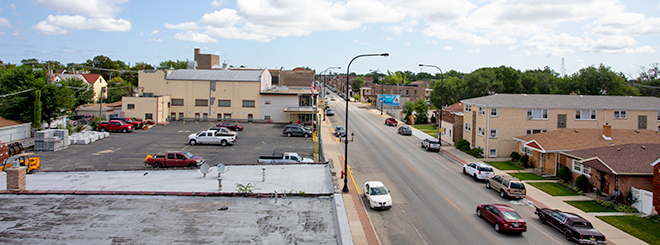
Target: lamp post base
[(345, 189)]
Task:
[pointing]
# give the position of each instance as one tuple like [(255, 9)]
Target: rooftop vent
[(644, 147), (618, 149), (575, 130)]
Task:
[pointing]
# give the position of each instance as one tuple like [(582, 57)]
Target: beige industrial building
[(491, 122)]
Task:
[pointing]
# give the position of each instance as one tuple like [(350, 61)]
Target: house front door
[(641, 122), (604, 182)]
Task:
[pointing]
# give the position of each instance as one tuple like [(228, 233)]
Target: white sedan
[(478, 171), (377, 195)]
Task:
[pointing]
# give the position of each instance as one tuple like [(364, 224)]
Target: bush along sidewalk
[(618, 207), (570, 187)]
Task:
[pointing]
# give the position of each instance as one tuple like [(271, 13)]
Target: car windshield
[(188, 154), (433, 141), (517, 185), (585, 225), (485, 169), (511, 215), (376, 191)]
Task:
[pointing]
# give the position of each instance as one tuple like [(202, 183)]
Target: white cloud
[(154, 40), (55, 25), (182, 26), (16, 32), (221, 19), (553, 45), (405, 27), (447, 48), (617, 45), (2, 33), (388, 39), (68, 51), (474, 51), (625, 24), (408, 44), (194, 37), (88, 15), (512, 47), (4, 22), (87, 8), (153, 33), (443, 31), (216, 4)]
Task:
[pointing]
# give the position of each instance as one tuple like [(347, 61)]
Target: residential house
[(452, 123), (103, 110), (491, 122), (618, 167), (12, 130), (285, 104), (544, 149), (96, 81)]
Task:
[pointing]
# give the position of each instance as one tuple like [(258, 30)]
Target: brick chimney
[(16, 178), (607, 131)]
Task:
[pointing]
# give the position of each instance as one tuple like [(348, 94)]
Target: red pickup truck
[(115, 125), (174, 159)]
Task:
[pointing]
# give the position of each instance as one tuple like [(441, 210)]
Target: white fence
[(644, 200)]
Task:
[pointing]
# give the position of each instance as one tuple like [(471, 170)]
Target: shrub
[(625, 209), (475, 152), (369, 100), (582, 182), (463, 145), (564, 173), (515, 156), (606, 204), (433, 119), (654, 217), (525, 160)]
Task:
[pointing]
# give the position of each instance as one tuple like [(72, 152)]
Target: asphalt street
[(128, 151), (433, 202)]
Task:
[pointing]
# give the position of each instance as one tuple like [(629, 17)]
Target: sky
[(461, 35)]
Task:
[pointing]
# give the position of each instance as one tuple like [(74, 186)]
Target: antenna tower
[(563, 67)]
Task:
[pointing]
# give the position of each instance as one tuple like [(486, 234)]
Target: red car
[(390, 121), (231, 126), (502, 217)]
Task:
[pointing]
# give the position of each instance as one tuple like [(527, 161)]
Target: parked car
[(431, 144), (297, 131), (502, 217), (478, 171), (405, 130), (129, 120), (340, 131), (232, 126), (377, 195), (79, 120), (212, 137), (572, 225), (174, 159), (333, 98), (330, 112), (298, 125), (507, 186), (390, 121), (115, 125), (286, 157)]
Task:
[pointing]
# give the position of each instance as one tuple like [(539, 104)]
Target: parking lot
[(128, 151)]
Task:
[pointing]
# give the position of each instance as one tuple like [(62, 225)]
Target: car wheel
[(488, 184), (102, 129), (158, 165), (497, 227), (464, 172), (306, 135), (192, 142), (191, 165), (478, 212), (502, 194), (474, 176), (124, 130), (288, 135), (542, 218), (568, 235), (223, 143)]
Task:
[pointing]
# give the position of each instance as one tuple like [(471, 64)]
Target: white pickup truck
[(212, 137), (287, 157)]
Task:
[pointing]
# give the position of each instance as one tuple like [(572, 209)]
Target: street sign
[(388, 99)]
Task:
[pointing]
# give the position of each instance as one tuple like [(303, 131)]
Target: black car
[(297, 131), (572, 225), (405, 130), (340, 131)]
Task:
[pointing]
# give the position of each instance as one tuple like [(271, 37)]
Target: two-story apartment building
[(491, 122)]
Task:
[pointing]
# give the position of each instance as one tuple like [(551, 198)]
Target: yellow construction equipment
[(32, 163)]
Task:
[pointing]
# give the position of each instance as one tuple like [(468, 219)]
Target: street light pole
[(348, 69), (441, 101), (326, 69)]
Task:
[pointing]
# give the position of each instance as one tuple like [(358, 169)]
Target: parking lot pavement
[(128, 151)]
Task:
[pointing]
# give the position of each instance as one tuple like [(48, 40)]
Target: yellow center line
[(412, 168), (452, 204), (349, 172)]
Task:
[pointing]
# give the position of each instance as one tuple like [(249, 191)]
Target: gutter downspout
[(487, 133)]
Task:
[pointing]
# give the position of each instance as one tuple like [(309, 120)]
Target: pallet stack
[(50, 140)]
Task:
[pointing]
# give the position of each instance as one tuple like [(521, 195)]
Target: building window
[(177, 102), (444, 131), (173, 116), (407, 92), (149, 116), (537, 114), (529, 151), (620, 114), (415, 91), (205, 115), (250, 116), (536, 131), (492, 153), (201, 102), (585, 114), (493, 133), (267, 118), (248, 103), (467, 108), (658, 115), (482, 111), (180, 115), (227, 115), (468, 127), (197, 115), (130, 106), (224, 103), (581, 169), (493, 112), (481, 131)]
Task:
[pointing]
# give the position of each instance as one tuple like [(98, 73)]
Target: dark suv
[(297, 131)]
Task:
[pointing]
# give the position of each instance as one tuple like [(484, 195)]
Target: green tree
[(507, 80), (479, 82), (539, 81), (394, 77), (407, 109), (600, 81), (117, 88), (650, 81), (179, 64), (356, 84), (421, 112), (142, 66), (105, 64), (37, 109), (82, 91), (451, 89)]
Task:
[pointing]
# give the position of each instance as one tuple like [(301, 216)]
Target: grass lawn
[(429, 129), (639, 227), (590, 206), (527, 176), (505, 166), (552, 188)]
